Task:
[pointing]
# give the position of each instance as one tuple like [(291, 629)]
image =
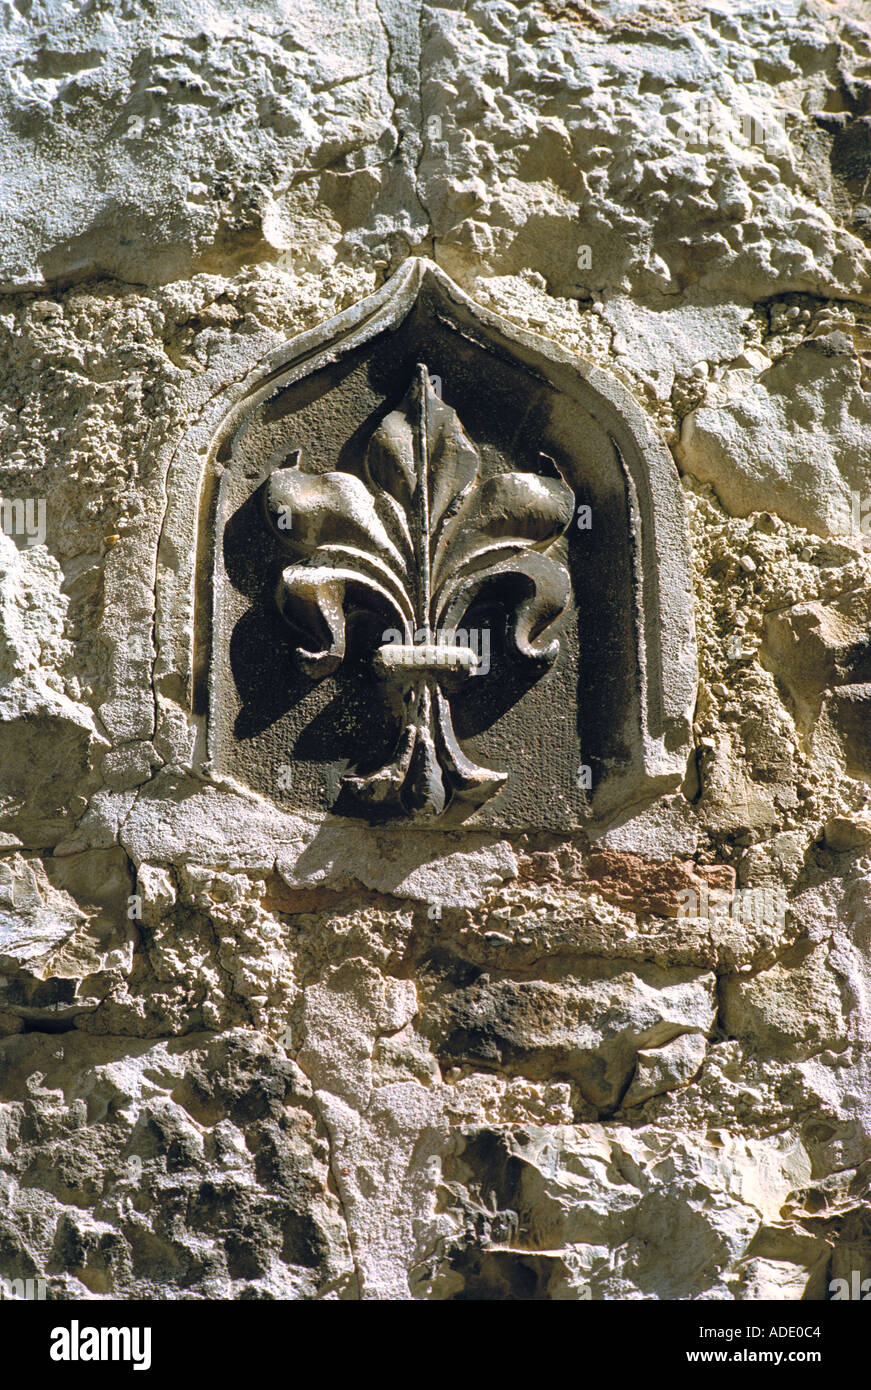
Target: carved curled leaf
[(372, 570), (507, 514), (331, 520), (312, 599), (536, 587)]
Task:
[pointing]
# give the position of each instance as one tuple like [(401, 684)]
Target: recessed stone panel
[(435, 588)]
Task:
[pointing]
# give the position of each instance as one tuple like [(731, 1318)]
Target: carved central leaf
[(421, 535)]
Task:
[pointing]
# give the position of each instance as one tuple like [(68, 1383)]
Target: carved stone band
[(420, 657)]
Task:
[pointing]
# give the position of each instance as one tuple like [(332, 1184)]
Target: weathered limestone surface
[(244, 1055)]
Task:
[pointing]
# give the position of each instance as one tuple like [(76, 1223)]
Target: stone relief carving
[(421, 534), (393, 610)]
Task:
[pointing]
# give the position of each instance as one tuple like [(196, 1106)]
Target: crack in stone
[(331, 1164), (423, 120), (399, 64)]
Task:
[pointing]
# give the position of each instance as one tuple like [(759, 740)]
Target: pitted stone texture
[(473, 1171), (138, 1169), (658, 208), (167, 141), (584, 1023), (562, 1214), (245, 177), (791, 438), (174, 141)]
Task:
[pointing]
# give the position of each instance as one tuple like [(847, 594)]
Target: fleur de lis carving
[(417, 538)]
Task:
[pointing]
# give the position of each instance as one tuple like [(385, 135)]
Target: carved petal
[(413, 778), (469, 782), (539, 588), (508, 513), (391, 457), (423, 437), (324, 509), (453, 460)]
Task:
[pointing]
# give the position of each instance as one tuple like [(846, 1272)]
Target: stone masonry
[(333, 965)]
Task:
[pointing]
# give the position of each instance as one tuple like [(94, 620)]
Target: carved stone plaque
[(436, 584)]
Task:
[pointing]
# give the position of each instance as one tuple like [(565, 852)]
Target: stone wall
[(251, 1053)]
